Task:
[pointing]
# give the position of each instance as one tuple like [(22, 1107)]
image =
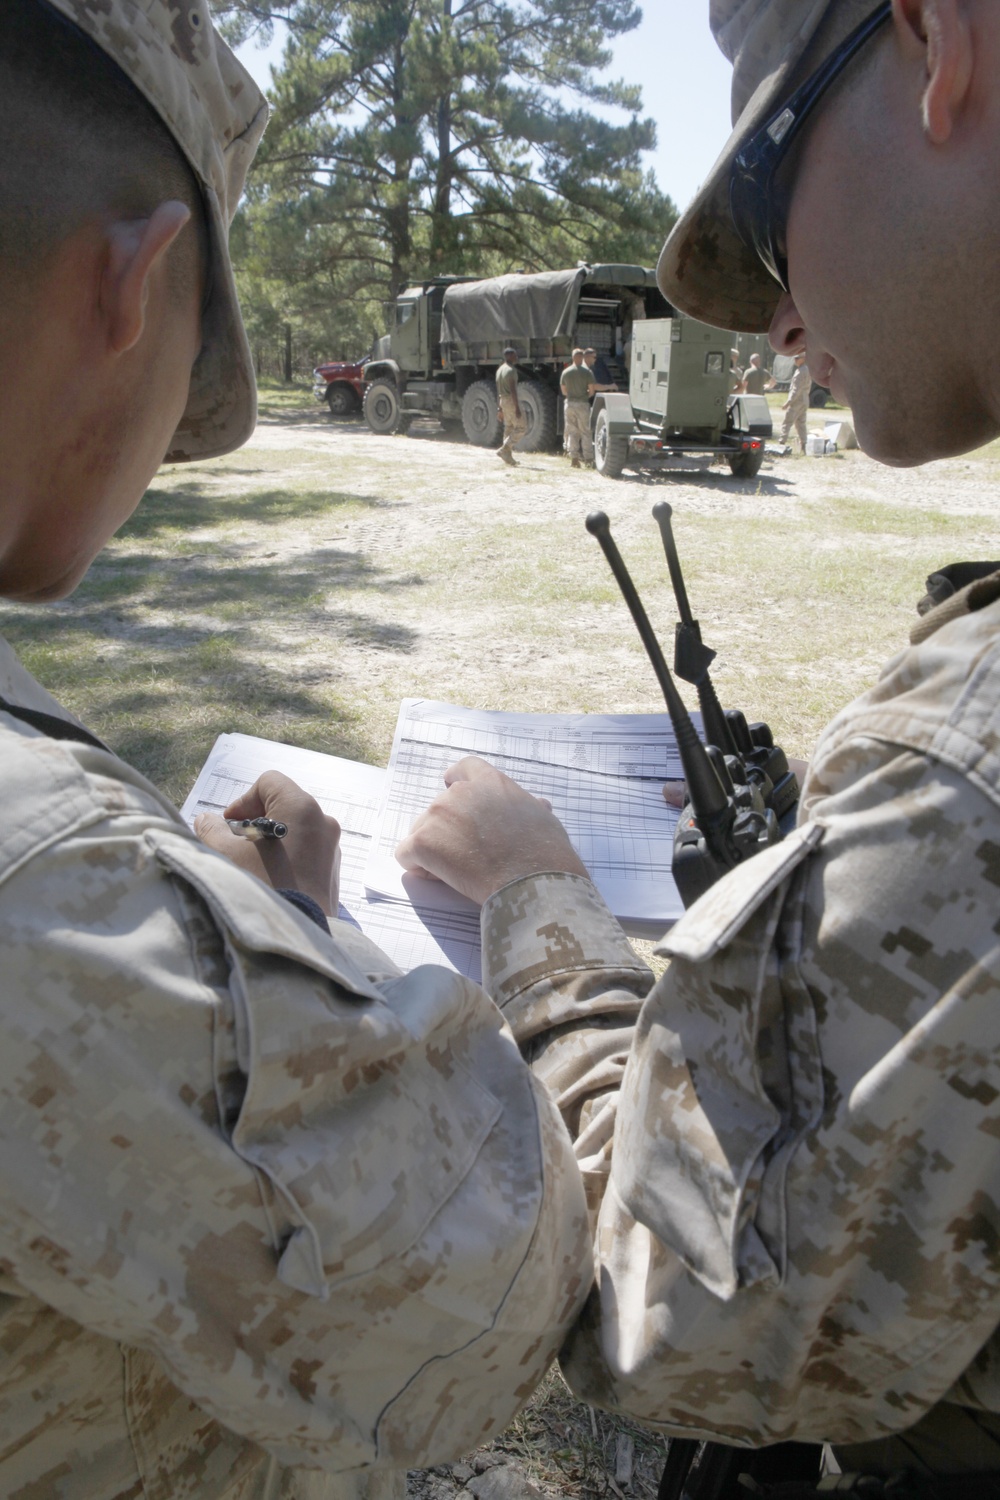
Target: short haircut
[(576, 352), (510, 351), (77, 141)]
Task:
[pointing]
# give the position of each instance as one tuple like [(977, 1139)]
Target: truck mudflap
[(618, 405)]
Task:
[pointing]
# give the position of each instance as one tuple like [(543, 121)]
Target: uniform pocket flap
[(713, 921), (358, 1111), (251, 913), (724, 1077)]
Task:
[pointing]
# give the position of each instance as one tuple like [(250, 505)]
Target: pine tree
[(415, 137)]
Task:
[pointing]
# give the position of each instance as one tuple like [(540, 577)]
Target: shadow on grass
[(229, 587), (192, 505), (162, 709), (159, 655)]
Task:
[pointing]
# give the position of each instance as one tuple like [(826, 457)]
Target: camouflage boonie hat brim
[(704, 268), (216, 113)]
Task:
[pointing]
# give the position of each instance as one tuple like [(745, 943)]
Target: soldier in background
[(511, 414), (600, 374), (796, 408), (577, 387), (756, 380)]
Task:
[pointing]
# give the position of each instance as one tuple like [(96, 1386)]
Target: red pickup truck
[(340, 384)]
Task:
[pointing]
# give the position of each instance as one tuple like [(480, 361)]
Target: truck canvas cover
[(541, 306)]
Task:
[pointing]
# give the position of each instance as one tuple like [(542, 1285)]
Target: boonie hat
[(705, 269), (216, 113)]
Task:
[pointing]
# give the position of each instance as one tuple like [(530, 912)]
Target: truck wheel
[(819, 395), (341, 400), (610, 449), (539, 406), (382, 407), (746, 465), (479, 415)]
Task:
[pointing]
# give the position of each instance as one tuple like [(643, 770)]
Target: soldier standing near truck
[(796, 408), (514, 424), (577, 387)]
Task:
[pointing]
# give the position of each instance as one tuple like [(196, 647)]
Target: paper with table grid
[(351, 792), (602, 773)]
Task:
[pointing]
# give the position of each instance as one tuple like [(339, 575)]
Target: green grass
[(300, 590)]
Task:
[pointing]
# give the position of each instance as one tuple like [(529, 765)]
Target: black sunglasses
[(757, 213)]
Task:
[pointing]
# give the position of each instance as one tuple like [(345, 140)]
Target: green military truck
[(448, 335), (679, 406)]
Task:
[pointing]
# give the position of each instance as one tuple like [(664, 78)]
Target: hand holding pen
[(304, 856), (256, 828)]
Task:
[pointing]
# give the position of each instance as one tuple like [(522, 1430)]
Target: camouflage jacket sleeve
[(570, 987), (328, 1199), (799, 1235)]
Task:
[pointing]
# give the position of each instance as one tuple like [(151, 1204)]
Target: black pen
[(257, 828)]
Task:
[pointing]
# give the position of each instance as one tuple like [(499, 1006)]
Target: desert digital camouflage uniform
[(798, 1228), (268, 1206), (797, 414), (275, 1220)]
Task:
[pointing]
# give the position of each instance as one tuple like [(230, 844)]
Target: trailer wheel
[(746, 465), (610, 448), (382, 407), (479, 414), (539, 406)]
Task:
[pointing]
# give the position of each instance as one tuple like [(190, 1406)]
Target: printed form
[(603, 774), (409, 933)]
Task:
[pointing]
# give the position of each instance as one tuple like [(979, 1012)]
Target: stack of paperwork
[(603, 774)]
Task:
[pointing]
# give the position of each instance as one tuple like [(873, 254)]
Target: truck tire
[(341, 399), (610, 449), (479, 414), (746, 465), (539, 406), (382, 407), (819, 395)]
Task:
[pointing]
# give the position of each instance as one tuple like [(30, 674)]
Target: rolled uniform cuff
[(552, 952)]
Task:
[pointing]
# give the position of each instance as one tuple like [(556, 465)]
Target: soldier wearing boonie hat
[(798, 1237), (275, 1219)]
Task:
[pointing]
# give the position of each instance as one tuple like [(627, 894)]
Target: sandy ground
[(446, 575)]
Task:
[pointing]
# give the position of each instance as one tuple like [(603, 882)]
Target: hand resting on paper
[(485, 831), (307, 859)]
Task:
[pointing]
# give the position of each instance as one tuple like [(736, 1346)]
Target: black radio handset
[(765, 763), (713, 833)]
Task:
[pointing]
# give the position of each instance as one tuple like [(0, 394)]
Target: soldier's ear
[(135, 258), (937, 36)]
